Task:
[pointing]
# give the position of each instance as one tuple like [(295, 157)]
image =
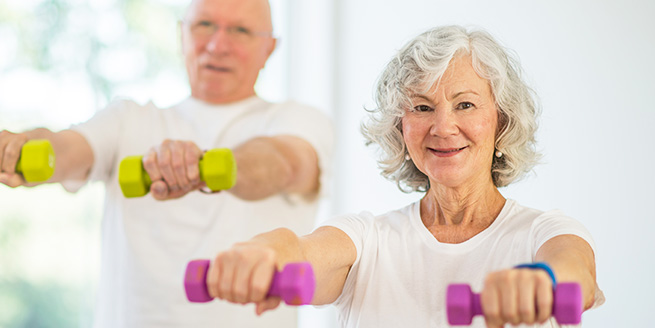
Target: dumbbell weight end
[(462, 304), (295, 284), (37, 161)]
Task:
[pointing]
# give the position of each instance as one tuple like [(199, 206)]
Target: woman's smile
[(446, 152)]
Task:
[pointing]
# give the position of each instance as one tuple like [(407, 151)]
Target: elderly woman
[(453, 120)]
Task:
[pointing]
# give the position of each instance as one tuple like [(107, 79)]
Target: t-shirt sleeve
[(358, 228), (554, 223), (355, 226), (102, 132), (310, 124)]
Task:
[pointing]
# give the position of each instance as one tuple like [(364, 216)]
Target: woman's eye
[(465, 105), (422, 108)]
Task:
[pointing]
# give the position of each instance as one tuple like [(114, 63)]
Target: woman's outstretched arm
[(243, 273)]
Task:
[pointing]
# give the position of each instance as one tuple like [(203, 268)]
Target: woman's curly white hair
[(421, 63)]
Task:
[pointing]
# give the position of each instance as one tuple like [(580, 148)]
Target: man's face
[(225, 44)]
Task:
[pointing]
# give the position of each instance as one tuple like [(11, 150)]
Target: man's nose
[(219, 42)]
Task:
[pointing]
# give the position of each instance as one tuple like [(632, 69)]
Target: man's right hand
[(10, 148), (173, 169)]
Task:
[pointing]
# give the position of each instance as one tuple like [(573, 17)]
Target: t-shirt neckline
[(417, 223)]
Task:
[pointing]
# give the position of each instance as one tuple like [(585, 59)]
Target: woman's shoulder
[(550, 222), (516, 216), (515, 210), (368, 218), (399, 217)]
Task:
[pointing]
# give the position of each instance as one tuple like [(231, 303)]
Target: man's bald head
[(226, 43), (257, 9)]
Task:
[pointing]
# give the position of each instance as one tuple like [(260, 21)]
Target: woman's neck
[(457, 214)]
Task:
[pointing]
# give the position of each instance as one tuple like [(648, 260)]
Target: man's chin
[(218, 96)]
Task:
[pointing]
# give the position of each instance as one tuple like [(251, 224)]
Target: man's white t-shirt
[(401, 272), (146, 244)]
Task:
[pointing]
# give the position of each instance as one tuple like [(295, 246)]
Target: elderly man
[(281, 150)]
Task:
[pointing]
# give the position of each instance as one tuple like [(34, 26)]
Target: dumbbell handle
[(462, 304), (295, 284), (217, 169)]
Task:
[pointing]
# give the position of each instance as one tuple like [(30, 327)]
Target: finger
[(150, 165), (165, 167), (2, 152), (267, 304), (192, 155), (12, 180), (159, 190), (490, 302), (5, 136), (178, 165), (509, 299), (544, 298), (213, 276), (527, 296), (241, 283), (226, 281), (261, 280), (11, 153)]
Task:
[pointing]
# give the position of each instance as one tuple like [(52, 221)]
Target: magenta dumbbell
[(462, 304), (295, 284)]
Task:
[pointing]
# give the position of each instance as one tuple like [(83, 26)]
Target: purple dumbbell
[(462, 304), (295, 284)]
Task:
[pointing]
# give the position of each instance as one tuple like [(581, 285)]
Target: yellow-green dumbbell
[(217, 169), (37, 161)]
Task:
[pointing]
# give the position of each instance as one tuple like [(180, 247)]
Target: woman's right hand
[(243, 274), (10, 148), (517, 296)]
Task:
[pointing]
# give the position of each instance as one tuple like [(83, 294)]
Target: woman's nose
[(444, 124)]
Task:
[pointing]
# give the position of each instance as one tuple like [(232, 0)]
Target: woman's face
[(450, 131)]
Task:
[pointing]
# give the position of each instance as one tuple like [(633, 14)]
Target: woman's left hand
[(517, 296)]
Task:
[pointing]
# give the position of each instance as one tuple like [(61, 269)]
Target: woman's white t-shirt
[(401, 272)]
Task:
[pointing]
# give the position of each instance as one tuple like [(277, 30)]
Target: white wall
[(591, 62)]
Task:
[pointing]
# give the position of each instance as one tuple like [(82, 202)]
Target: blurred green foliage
[(49, 239), (60, 36), (26, 304), (49, 255)]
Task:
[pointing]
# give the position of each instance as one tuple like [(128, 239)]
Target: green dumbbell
[(217, 169), (37, 161)]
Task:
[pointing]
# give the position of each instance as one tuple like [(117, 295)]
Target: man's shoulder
[(294, 106), (130, 105)]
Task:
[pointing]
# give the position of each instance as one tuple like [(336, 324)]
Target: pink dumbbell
[(462, 304), (295, 284)]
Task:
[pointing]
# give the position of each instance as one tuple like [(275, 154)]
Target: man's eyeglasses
[(203, 29)]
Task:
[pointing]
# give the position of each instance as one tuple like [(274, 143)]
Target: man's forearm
[(73, 154), (270, 165)]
